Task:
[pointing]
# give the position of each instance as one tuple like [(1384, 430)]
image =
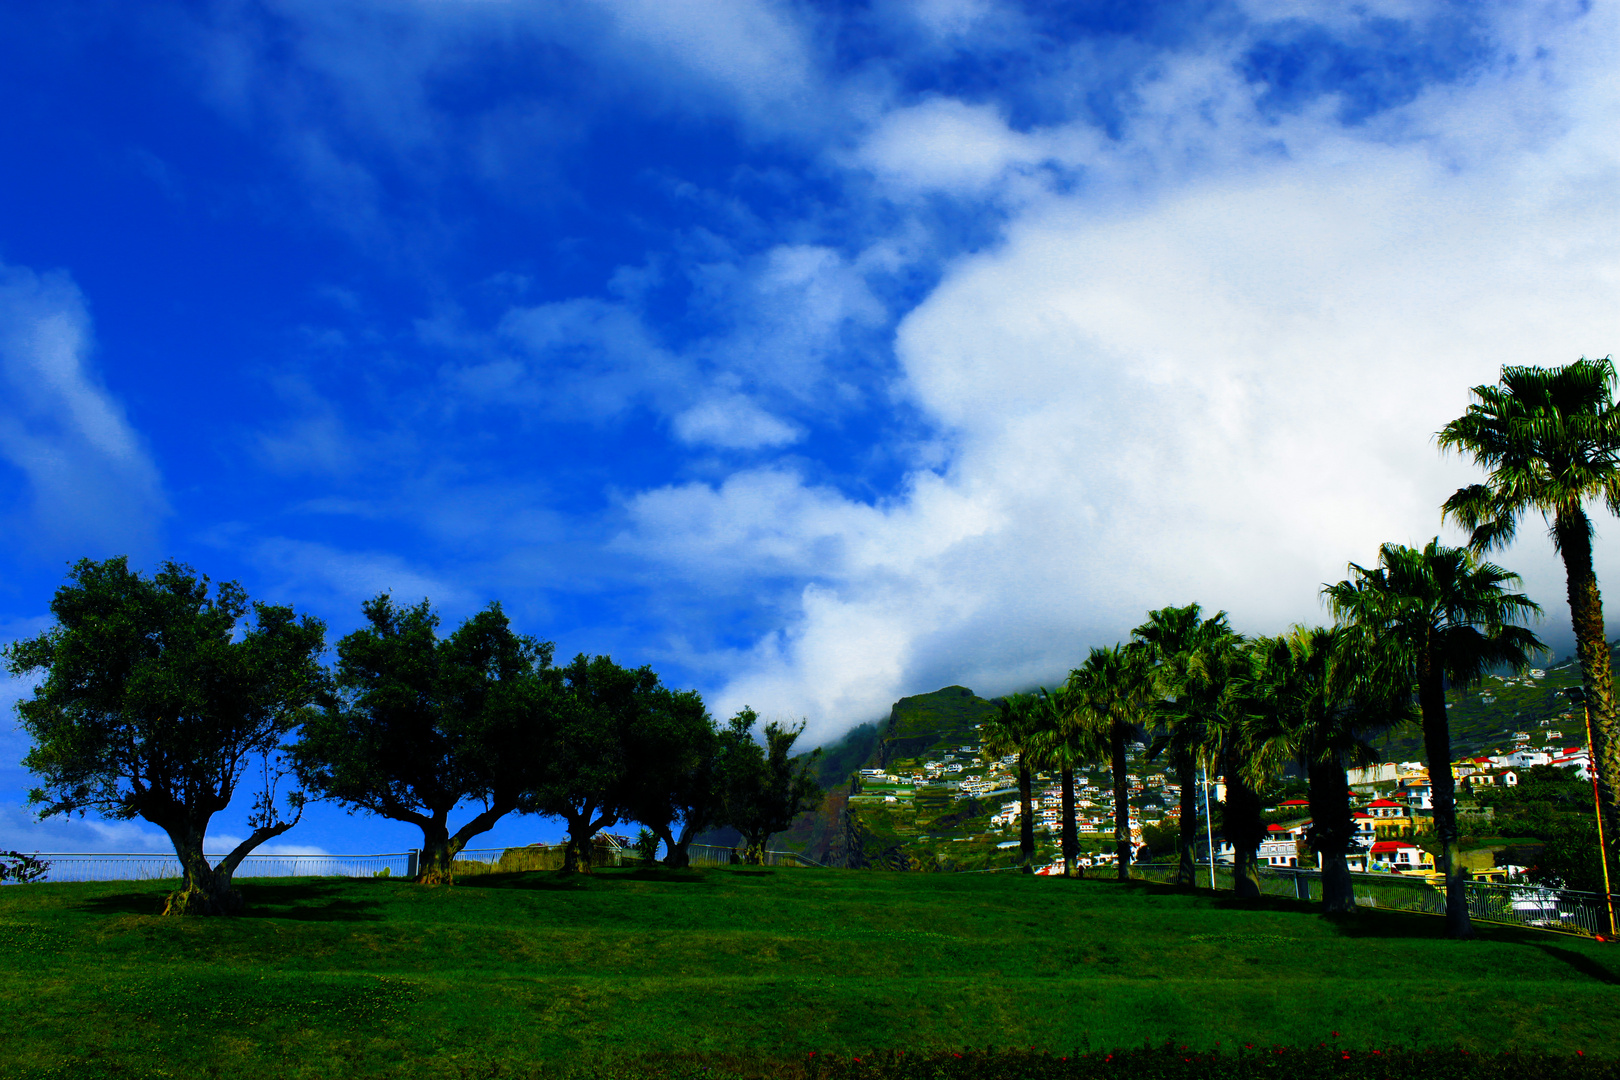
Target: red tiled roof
[(1385, 802), (1391, 845)]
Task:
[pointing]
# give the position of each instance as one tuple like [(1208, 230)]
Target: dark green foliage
[(21, 868), (1170, 1061), (1554, 806), (419, 724), (603, 757), (158, 696), (672, 755), (766, 789), (923, 722)]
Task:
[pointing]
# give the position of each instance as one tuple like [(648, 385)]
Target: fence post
[(410, 863)]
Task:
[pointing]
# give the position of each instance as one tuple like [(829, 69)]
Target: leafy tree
[(1110, 694), (673, 760), (1014, 729), (1550, 440), (1191, 658), (590, 781), (1437, 615), (766, 788), (157, 699), (421, 724)]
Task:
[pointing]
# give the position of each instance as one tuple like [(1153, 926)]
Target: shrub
[(21, 868)]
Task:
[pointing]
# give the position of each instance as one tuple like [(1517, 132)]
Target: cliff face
[(845, 831)]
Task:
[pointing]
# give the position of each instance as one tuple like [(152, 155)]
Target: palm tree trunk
[(1244, 830), (1332, 833), (1574, 532), (1187, 777), (1122, 802), (1071, 841), (1026, 818), (1437, 748)]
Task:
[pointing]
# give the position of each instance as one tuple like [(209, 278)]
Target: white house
[(1397, 855)]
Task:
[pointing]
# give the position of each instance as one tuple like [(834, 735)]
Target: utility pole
[(1209, 827), (1579, 693)]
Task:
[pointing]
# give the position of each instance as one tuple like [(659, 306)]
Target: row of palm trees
[(1405, 629)]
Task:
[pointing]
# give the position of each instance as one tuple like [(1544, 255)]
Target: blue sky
[(815, 354)]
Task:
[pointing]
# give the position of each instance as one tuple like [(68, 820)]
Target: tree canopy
[(159, 696), (420, 724)]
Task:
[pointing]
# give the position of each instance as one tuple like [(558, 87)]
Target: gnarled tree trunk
[(202, 890)]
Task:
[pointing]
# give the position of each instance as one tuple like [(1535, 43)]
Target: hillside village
[(920, 792)]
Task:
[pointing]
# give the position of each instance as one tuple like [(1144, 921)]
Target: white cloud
[(946, 145), (329, 577), (21, 831), (733, 422), (1220, 387), (91, 480), (225, 843)]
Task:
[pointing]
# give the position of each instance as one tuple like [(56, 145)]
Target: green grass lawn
[(500, 973)]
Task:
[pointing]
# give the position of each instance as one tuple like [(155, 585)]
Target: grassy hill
[(509, 975)]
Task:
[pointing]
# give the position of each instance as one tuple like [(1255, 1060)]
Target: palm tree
[(1013, 730), (1184, 648), (1550, 438), (1230, 742), (1320, 697), (1110, 695), (1063, 741), (1437, 615)]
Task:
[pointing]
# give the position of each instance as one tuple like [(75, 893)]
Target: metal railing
[(717, 855), (128, 866), (1541, 907), (155, 866)]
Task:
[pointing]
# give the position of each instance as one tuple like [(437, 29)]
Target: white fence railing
[(127, 866), (717, 855), (1540, 906), (137, 866)]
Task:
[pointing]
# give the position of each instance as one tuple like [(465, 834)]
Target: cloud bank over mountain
[(813, 354)]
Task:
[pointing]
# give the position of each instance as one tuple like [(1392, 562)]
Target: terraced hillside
[(900, 822)]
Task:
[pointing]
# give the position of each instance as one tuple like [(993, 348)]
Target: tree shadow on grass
[(314, 900), (1418, 926), (141, 903), (1586, 965), (531, 880), (558, 881)]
